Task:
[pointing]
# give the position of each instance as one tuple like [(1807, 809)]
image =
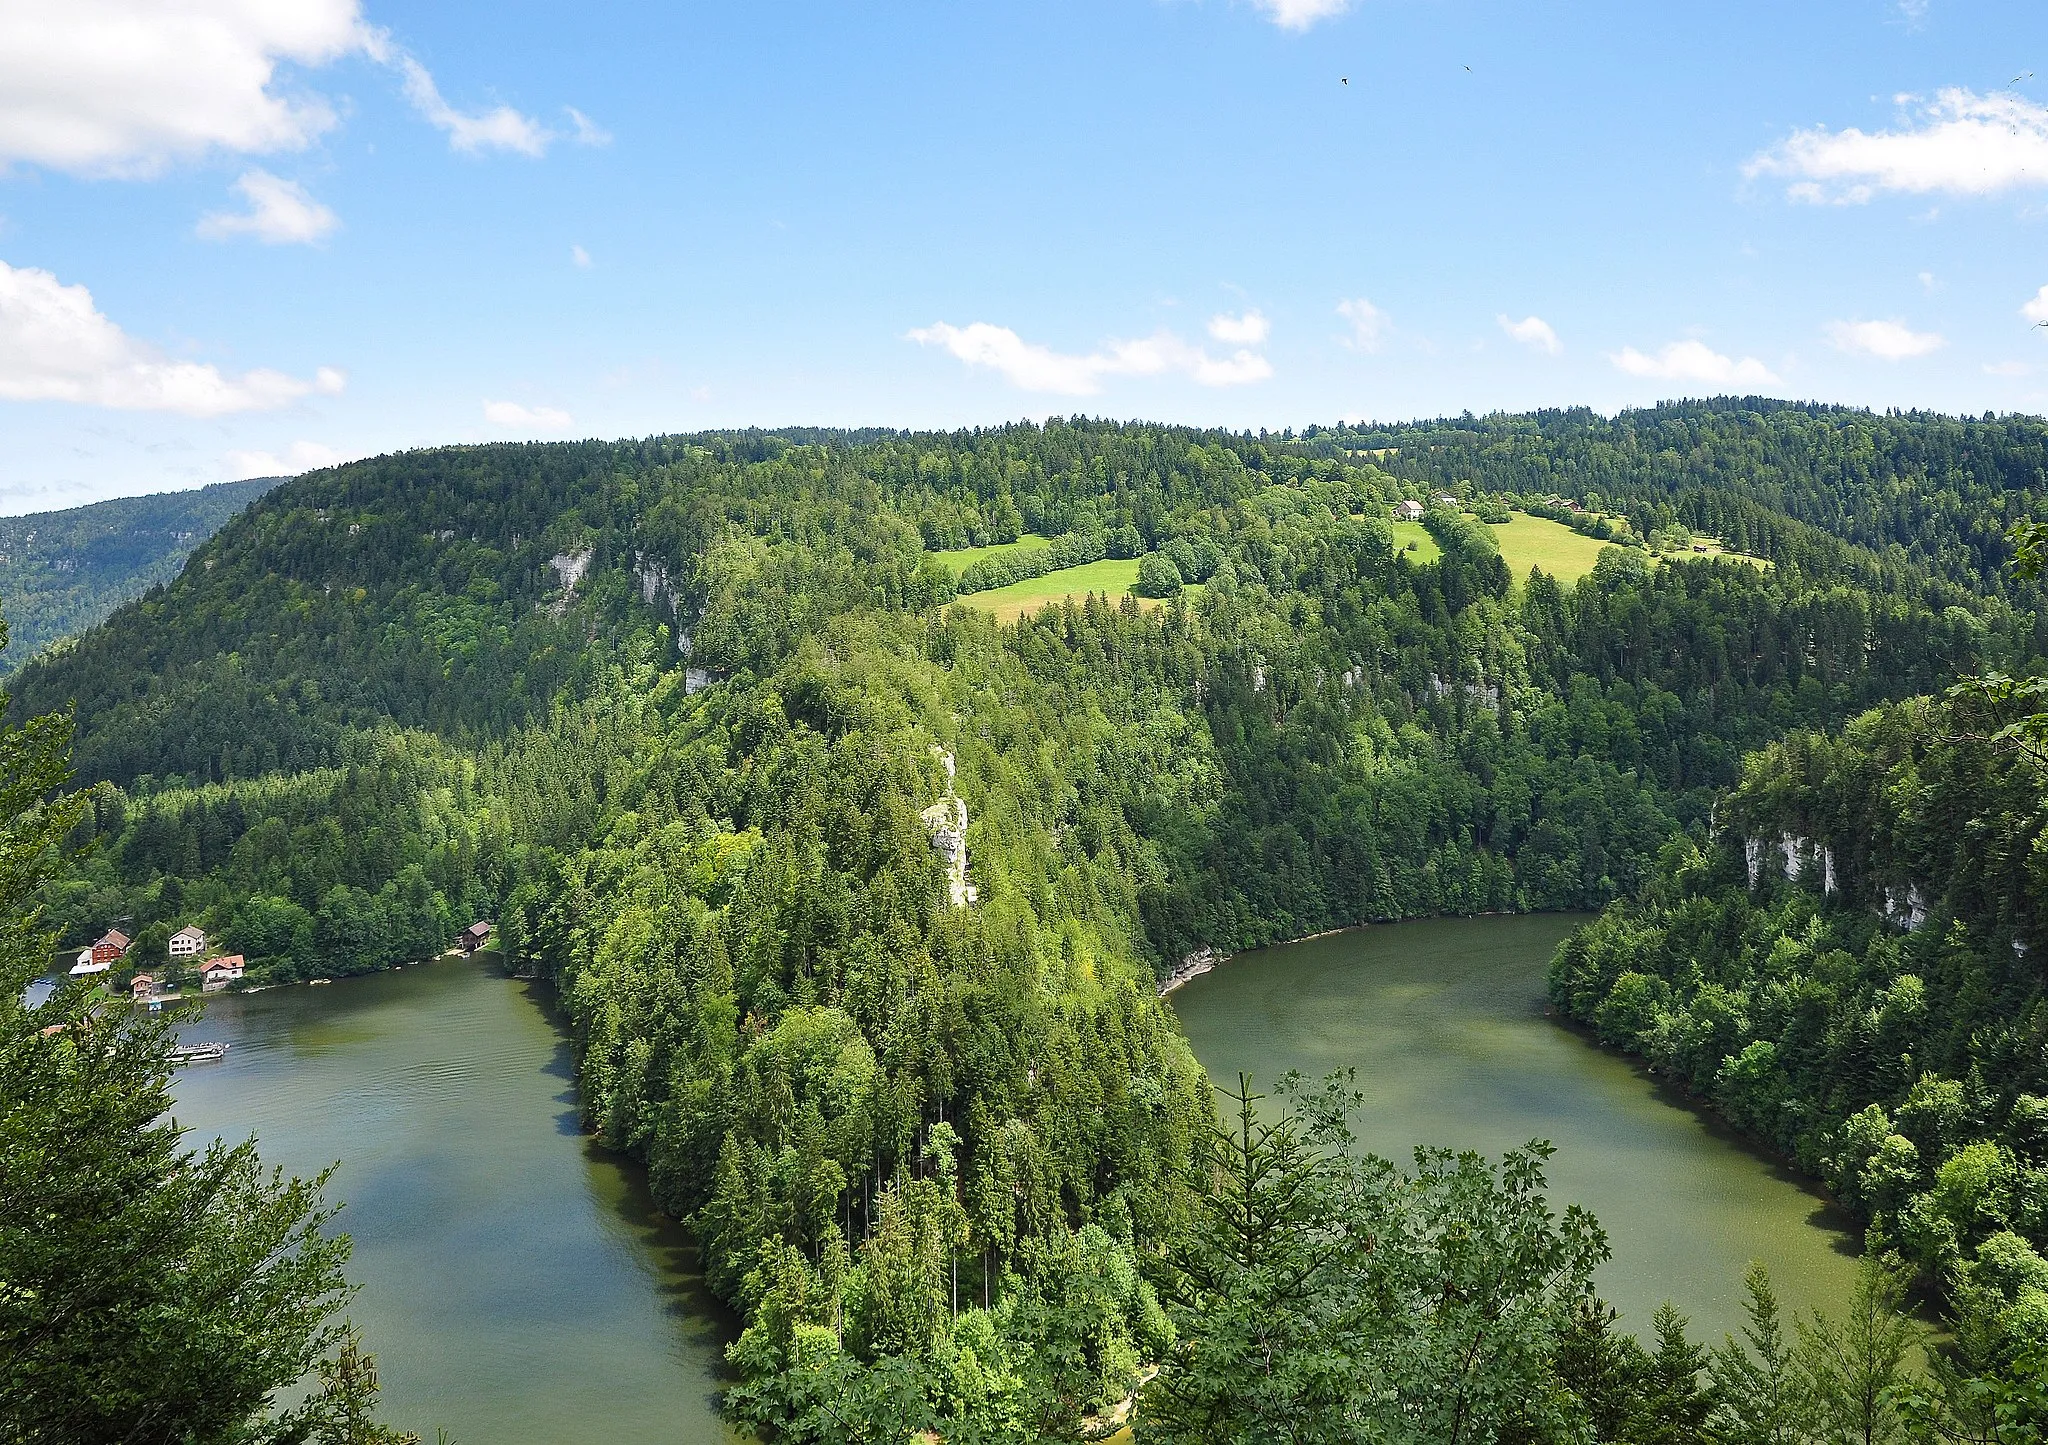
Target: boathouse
[(473, 937)]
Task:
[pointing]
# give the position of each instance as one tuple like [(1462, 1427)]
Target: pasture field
[(1112, 577), (966, 557), (1426, 549), (1539, 542)]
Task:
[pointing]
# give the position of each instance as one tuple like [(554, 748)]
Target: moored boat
[(206, 1053)]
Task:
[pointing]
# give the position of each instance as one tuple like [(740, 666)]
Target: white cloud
[(1300, 14), (122, 87), (1032, 367), (2036, 310), (1247, 330), (126, 87), (579, 257), (55, 345), (500, 128), (2008, 368), (1885, 340), (1694, 361), (280, 213), (588, 132), (513, 416), (1962, 144), (1369, 324), (299, 457), (1532, 331)]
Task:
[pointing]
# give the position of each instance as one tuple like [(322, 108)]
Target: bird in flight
[(1343, 80)]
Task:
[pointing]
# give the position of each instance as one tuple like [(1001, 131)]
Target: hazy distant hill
[(60, 572)]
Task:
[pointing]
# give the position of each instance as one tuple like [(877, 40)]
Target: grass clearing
[(1524, 543), (1539, 542), (1112, 577), (1426, 549), (966, 557)]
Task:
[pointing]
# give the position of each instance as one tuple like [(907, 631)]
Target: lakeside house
[(111, 948), (143, 986), (1408, 510), (217, 973), (473, 937), (187, 942), (87, 965)]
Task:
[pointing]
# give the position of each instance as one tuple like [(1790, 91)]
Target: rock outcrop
[(946, 820)]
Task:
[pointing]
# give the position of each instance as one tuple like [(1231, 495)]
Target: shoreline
[(1207, 958)]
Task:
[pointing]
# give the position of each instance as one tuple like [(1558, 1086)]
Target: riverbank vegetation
[(674, 712), (149, 1291)]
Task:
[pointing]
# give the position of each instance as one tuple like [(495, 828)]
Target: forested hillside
[(60, 572), (1919, 491), (675, 713)]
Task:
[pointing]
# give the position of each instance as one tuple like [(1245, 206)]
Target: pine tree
[(1756, 1402)]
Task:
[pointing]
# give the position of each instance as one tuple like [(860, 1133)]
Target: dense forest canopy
[(680, 715), (60, 572)]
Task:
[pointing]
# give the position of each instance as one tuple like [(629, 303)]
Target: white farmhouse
[(187, 942)]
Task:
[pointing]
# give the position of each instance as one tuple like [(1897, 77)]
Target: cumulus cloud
[(122, 87), (579, 257), (1885, 340), (1694, 361), (55, 345), (279, 213), (298, 457), (1369, 324), (1247, 330), (1300, 14), (1032, 367), (514, 417), (1961, 143), (2036, 310), (1532, 331), (126, 87)]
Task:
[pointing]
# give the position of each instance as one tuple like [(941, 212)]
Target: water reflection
[(1444, 1022), (517, 1283)]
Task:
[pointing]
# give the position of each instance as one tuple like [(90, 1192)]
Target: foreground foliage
[(147, 1293)]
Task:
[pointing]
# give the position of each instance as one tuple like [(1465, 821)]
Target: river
[(517, 1285), (1443, 1021)]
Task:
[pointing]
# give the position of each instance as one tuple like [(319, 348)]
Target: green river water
[(1443, 1021), (517, 1287)]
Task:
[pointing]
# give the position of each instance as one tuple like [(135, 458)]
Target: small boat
[(209, 1053), (316, 982)]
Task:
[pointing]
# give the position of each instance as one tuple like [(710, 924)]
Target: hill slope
[(61, 572), (688, 716)]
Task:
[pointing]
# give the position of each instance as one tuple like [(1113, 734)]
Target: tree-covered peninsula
[(696, 720)]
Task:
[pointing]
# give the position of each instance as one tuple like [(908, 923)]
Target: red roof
[(478, 930), (232, 960), (116, 937)]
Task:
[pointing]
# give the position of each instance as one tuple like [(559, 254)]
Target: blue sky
[(241, 236)]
